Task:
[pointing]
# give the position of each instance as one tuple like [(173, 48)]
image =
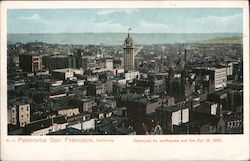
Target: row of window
[(22, 109), (27, 115), (13, 111)]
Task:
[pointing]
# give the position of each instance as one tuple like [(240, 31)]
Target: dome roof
[(129, 40)]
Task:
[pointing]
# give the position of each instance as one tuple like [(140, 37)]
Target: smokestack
[(185, 56)]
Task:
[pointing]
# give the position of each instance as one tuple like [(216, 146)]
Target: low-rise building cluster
[(90, 91)]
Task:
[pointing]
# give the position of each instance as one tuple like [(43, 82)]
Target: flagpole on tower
[(129, 30)]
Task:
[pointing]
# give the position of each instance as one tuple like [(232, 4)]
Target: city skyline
[(146, 20), (143, 84)]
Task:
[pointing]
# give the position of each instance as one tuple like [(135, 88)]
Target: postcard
[(125, 80)]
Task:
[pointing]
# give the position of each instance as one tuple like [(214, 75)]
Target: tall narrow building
[(128, 48)]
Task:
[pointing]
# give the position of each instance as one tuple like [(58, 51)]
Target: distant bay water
[(117, 38)]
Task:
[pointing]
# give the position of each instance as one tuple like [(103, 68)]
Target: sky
[(143, 20)]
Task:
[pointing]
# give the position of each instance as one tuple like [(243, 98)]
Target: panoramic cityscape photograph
[(125, 71)]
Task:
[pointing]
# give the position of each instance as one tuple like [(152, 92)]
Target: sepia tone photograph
[(78, 77)]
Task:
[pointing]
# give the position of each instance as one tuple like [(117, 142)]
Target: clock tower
[(128, 48)]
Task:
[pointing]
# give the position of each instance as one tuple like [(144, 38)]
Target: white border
[(233, 147)]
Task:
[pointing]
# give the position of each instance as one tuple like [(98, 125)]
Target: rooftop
[(224, 91), (172, 108), (66, 70), (67, 131), (59, 56), (44, 123)]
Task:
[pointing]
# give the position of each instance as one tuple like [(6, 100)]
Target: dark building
[(230, 99), (139, 109), (117, 62), (177, 88), (156, 85), (59, 62), (95, 89), (139, 90), (30, 63), (173, 116)]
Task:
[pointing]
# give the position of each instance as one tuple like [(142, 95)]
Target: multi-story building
[(94, 89), (30, 63), (128, 48), (132, 74), (68, 111), (139, 106), (59, 62), (66, 73), (117, 62), (46, 126), (19, 114), (109, 63), (171, 116), (220, 77), (156, 85), (87, 105), (217, 75)]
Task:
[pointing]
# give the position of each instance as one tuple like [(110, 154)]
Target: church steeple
[(221, 124)]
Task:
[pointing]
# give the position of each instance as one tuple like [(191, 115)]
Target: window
[(21, 115), (13, 110), (22, 108)]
